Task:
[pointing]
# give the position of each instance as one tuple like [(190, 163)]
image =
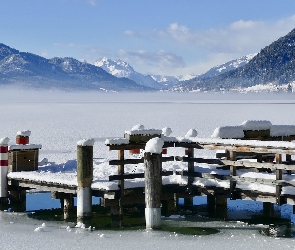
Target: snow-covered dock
[(183, 174)]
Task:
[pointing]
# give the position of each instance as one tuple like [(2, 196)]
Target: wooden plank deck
[(278, 182)]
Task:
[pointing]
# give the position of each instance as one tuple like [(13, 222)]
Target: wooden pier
[(228, 178)]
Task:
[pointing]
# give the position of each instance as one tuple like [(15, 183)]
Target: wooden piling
[(84, 177), (153, 189), (68, 205), (268, 209), (18, 200)]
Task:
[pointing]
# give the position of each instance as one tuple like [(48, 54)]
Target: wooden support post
[(153, 189), (288, 159), (66, 203), (176, 203), (233, 172), (116, 217), (168, 207), (259, 157), (217, 206), (18, 200), (84, 176), (227, 157), (279, 176), (221, 201), (221, 207), (268, 209), (68, 206), (211, 202)]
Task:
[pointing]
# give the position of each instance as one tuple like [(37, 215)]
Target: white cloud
[(158, 62), (44, 53), (92, 2), (219, 45), (241, 37)]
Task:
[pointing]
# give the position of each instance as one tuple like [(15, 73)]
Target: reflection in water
[(278, 231)]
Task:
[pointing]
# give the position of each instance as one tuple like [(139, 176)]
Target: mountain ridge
[(274, 64), (27, 69)]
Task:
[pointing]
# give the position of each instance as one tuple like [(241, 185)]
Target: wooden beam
[(133, 176), (266, 165), (136, 161), (125, 161), (199, 160), (44, 186), (269, 150)]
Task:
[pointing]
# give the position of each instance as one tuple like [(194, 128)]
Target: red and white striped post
[(3, 167)]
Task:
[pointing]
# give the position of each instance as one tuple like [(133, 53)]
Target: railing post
[(288, 157), (121, 170), (233, 172), (188, 202), (279, 176), (117, 210), (84, 178), (153, 182)]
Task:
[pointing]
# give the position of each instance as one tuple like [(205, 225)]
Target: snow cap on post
[(4, 141), (166, 131), (25, 133), (191, 133), (154, 145), (86, 142), (137, 127)]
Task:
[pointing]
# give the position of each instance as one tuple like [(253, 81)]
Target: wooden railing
[(233, 148)]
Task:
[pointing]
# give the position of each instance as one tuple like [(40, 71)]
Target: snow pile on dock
[(237, 132)]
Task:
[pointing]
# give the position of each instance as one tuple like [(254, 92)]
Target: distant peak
[(118, 67)]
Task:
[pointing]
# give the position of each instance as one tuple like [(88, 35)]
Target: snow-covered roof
[(116, 141), (25, 147), (236, 132), (139, 129), (144, 132), (282, 130), (256, 125), (228, 132)]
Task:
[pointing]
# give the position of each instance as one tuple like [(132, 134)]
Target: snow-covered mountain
[(273, 65), (225, 67), (171, 81), (33, 71), (120, 68)]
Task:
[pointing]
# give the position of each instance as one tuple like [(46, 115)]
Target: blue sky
[(155, 36)]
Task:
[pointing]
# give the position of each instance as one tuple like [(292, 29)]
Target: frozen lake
[(59, 120)]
